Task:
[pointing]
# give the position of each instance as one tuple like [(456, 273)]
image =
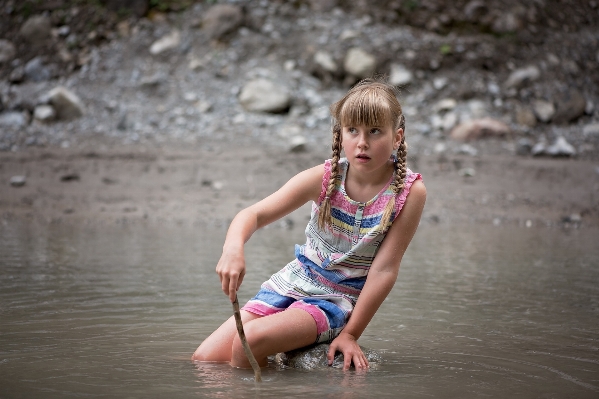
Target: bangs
[(367, 107)]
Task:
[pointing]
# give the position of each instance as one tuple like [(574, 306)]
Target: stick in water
[(244, 342)]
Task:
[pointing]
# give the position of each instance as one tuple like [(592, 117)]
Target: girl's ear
[(398, 137)]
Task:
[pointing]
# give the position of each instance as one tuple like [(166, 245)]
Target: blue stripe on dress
[(335, 315), (333, 276)]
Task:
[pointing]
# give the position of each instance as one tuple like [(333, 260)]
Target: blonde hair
[(372, 103)]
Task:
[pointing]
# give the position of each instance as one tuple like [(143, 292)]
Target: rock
[(36, 30), (478, 128), (36, 71), (14, 119), (445, 104), (525, 117), (165, 43), (539, 148), (263, 95), (574, 218), (544, 110), (17, 75), (440, 82), (523, 146), (66, 103), (315, 358), (467, 172), (475, 9), (18, 181), (325, 61), (570, 107), (7, 51), (561, 148), (400, 75), (359, 63), (222, 19), (297, 144), (44, 113), (591, 130), (507, 22), (135, 7), (520, 76)]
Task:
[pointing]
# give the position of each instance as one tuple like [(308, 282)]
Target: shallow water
[(117, 311)]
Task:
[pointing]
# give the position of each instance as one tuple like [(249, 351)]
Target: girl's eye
[(375, 131), (352, 130)]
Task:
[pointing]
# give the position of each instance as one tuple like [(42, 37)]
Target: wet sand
[(207, 184)]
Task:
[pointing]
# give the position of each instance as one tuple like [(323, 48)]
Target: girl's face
[(370, 147)]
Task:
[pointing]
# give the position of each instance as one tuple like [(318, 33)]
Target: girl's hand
[(348, 345), (231, 270)]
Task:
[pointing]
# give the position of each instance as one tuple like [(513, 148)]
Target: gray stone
[(36, 71), (44, 113), (7, 51), (506, 22), (263, 95), (591, 130), (66, 103), (36, 30), (520, 76), (297, 144), (315, 358), (222, 19), (400, 75), (17, 75), (540, 148), (561, 148), (18, 181), (525, 117), (325, 61), (165, 43), (570, 107), (14, 119), (544, 110), (359, 63)]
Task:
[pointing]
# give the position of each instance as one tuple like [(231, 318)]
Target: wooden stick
[(244, 342)]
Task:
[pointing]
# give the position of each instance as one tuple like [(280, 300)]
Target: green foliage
[(445, 49)]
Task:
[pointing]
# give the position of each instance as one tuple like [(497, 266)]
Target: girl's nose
[(362, 141)]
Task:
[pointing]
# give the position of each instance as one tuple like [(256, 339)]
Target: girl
[(366, 208)]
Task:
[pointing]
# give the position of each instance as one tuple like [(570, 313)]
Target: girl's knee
[(258, 343)]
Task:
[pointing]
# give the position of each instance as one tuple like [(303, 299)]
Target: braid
[(324, 216), (398, 184)]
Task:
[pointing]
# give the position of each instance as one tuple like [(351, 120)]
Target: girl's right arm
[(303, 187)]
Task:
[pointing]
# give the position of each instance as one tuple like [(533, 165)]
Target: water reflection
[(116, 311)]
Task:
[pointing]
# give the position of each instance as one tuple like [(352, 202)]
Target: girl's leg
[(281, 332), (217, 347)]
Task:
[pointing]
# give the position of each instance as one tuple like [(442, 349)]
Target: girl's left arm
[(381, 278)]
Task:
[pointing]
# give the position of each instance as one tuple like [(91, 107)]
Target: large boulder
[(570, 107), (36, 30), (263, 95)]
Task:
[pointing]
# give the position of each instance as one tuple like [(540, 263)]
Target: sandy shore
[(208, 184)]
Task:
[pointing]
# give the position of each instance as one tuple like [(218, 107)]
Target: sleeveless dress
[(330, 269)]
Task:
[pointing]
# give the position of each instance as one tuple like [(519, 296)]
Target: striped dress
[(330, 269)]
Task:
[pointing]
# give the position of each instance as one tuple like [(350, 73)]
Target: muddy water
[(117, 311)]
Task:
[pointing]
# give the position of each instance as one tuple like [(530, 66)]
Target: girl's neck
[(362, 187)]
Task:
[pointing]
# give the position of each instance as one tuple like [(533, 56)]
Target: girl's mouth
[(362, 156)]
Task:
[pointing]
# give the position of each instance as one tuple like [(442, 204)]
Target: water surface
[(116, 311)]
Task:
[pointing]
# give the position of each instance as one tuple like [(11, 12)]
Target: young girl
[(366, 208)]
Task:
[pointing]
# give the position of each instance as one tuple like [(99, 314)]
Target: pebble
[(165, 43), (325, 61), (44, 113), (478, 128), (543, 110), (591, 130), (7, 51), (521, 76), (36, 30), (18, 181), (297, 144), (14, 119), (221, 19)]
